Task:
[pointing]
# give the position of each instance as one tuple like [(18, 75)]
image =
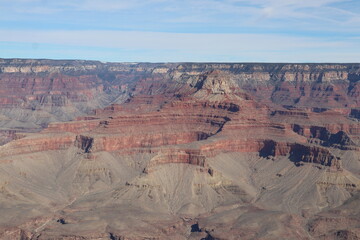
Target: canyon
[(93, 150)]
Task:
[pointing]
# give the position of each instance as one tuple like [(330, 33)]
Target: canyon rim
[(93, 150)]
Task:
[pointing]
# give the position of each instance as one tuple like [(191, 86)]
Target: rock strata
[(178, 150)]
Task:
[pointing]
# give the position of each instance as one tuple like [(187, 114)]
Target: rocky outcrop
[(330, 135), (186, 156), (311, 154), (85, 143), (355, 113), (341, 140), (7, 136)]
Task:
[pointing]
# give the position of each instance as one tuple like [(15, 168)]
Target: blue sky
[(182, 30)]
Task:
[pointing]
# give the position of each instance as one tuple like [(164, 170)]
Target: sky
[(182, 30)]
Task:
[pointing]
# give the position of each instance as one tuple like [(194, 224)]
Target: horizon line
[(172, 62)]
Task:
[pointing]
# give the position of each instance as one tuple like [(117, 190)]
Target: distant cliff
[(36, 92)]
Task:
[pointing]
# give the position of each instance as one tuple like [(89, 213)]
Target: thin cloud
[(318, 26), (172, 41), (254, 13), (105, 5)]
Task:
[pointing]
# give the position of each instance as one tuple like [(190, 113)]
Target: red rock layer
[(52, 90), (37, 143), (223, 107)]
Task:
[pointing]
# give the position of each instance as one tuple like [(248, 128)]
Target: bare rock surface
[(94, 150)]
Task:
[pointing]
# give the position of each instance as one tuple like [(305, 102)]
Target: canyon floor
[(92, 150)]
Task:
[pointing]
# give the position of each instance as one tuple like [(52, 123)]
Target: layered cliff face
[(44, 91), (178, 151), (34, 93)]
